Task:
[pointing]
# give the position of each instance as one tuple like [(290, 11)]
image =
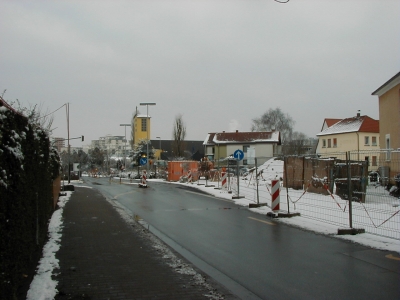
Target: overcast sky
[(219, 64)]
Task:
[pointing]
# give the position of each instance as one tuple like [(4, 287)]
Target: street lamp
[(125, 144), (147, 129)]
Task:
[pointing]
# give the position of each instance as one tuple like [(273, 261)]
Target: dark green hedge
[(27, 169)]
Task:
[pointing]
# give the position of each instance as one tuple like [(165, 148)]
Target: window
[(144, 124), (374, 161), (373, 140), (329, 143), (366, 140), (245, 147), (323, 143), (334, 143)]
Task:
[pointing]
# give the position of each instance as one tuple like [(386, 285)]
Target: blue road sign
[(238, 154), (143, 161)]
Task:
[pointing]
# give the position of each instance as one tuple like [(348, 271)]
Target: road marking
[(263, 221), (390, 256), (116, 196)]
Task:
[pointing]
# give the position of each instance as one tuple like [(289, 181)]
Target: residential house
[(389, 115), (359, 133), (263, 145)]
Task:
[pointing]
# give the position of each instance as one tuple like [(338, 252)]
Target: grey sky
[(218, 63)]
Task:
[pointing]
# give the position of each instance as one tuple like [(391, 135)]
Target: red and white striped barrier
[(275, 195), (143, 182), (189, 177), (224, 180)]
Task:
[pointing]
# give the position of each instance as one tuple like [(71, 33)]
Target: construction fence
[(321, 187)]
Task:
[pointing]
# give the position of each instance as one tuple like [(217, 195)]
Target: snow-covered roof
[(242, 137), (143, 116), (354, 124)]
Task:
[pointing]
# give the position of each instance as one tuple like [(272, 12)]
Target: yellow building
[(389, 115), (141, 127)]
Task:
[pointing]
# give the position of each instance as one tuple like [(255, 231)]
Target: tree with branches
[(275, 119), (179, 134)]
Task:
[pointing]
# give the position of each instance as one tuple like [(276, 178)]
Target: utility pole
[(147, 129), (69, 148), (125, 144)]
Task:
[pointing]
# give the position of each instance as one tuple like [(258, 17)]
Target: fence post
[(287, 183), (258, 198), (350, 192), (237, 177)]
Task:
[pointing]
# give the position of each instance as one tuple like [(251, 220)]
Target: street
[(254, 256)]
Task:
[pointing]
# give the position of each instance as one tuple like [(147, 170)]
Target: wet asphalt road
[(253, 255)]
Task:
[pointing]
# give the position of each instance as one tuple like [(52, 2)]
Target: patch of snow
[(43, 287)]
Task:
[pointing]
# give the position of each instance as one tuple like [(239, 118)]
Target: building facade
[(142, 128), (389, 115), (359, 133), (263, 145)]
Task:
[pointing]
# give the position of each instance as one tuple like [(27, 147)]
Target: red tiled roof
[(330, 122), (354, 124), (369, 125)]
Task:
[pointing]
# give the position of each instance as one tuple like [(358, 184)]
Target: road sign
[(238, 154), (143, 161)]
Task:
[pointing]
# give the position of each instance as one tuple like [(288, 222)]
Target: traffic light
[(83, 138)]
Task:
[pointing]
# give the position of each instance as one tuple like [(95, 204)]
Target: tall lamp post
[(157, 137), (125, 144), (69, 147), (147, 129)]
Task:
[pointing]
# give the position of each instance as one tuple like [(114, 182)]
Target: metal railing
[(320, 188)]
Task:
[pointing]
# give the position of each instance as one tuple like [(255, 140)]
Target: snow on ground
[(370, 240), (273, 170), (43, 287)]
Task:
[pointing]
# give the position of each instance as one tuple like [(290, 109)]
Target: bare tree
[(275, 119), (179, 135), (35, 114)]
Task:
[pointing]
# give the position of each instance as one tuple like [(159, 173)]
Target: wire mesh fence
[(349, 189)]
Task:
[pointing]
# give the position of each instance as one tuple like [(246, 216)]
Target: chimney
[(358, 113), (237, 131)]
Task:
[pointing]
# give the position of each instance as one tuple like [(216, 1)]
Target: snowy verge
[(43, 287)]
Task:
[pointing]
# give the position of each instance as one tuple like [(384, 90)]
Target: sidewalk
[(102, 256)]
